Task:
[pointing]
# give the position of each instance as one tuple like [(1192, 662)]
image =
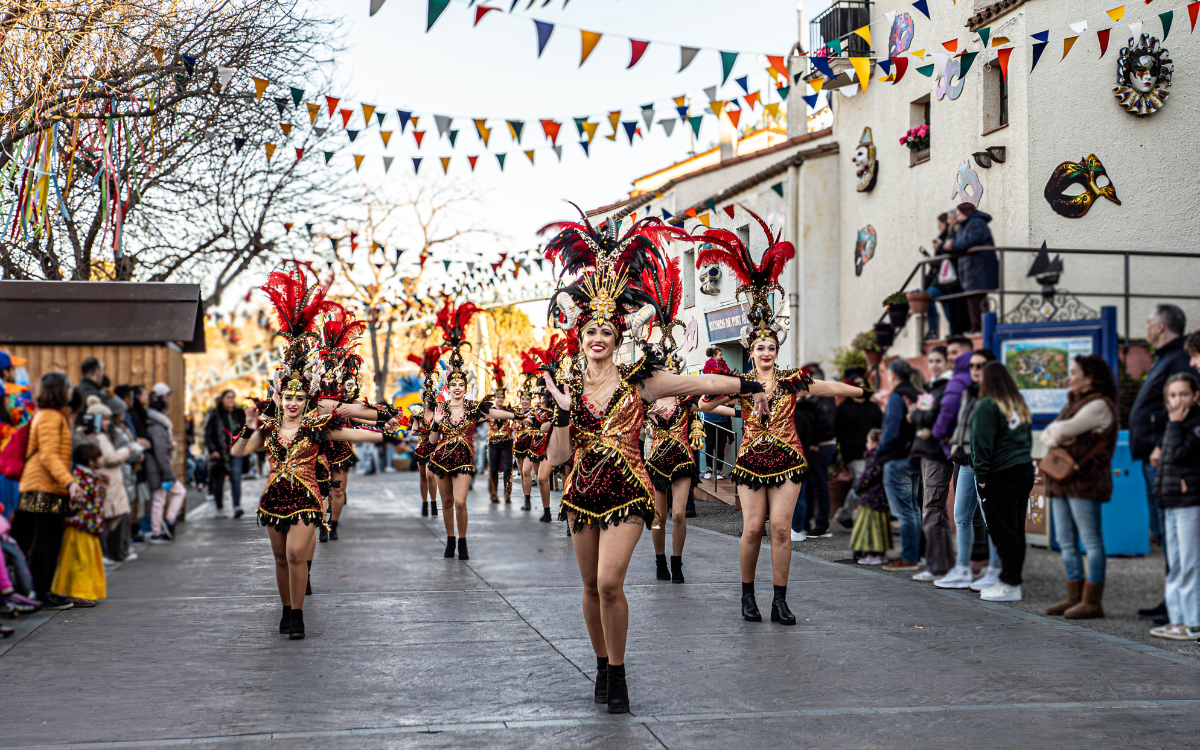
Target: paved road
[(406, 649)]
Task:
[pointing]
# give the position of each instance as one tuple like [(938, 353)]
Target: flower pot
[(898, 314), (918, 302), (873, 357), (884, 335)]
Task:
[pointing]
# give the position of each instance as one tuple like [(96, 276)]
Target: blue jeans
[(1183, 556), (966, 500), (1157, 514), (816, 488), (1078, 520), (900, 481)]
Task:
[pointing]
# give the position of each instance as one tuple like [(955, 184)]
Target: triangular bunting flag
[(368, 110), (1038, 49), (224, 75), (926, 70), (270, 147), (717, 106), (483, 130), (313, 111), (386, 135), (983, 35), (1079, 26), (1002, 56), (544, 30), (445, 164), (1117, 13), (453, 137), (783, 91), (551, 128), (353, 134), (1135, 30), (727, 61), (443, 124), (728, 210), (579, 121), (260, 86), (287, 227), (711, 92), (1102, 37), (695, 123), (558, 152), (346, 115), (435, 11), (682, 110), (238, 142), (836, 46), (817, 83), (380, 116), (865, 33), (387, 163), (529, 154), (734, 115), (1193, 9), (416, 160), (500, 160), (357, 161), (862, 66), (590, 129), (686, 55), (404, 118), (629, 126), (328, 156), (481, 11), (964, 63), (703, 219), (1166, 19), (514, 129), (648, 114), (811, 100), (778, 188), (331, 102), (744, 83), (286, 127), (668, 125), (1068, 43), (665, 213), (637, 48), (471, 160), (418, 136), (589, 40), (923, 6), (886, 66), (751, 99), (822, 66), (584, 146), (778, 64), (951, 46)]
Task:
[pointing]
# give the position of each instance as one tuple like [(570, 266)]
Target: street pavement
[(407, 649)]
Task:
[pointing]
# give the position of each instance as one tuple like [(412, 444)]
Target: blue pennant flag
[(404, 118), (744, 82), (544, 30), (584, 144), (353, 134), (629, 126), (923, 6), (811, 99), (682, 112), (1043, 38), (666, 214), (822, 66), (886, 66), (417, 163)]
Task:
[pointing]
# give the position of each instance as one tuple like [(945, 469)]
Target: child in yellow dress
[(80, 573)]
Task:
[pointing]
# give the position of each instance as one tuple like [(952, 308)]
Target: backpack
[(12, 458)]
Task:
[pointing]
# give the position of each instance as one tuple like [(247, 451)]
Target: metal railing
[(712, 459), (839, 22)]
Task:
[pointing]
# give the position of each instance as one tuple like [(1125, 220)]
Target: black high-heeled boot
[(676, 568), (462, 549), (333, 531), (779, 608), (308, 580), (425, 508), (662, 573), (546, 516), (433, 507), (749, 606), (528, 505), (449, 555), (296, 631), (285, 622), (323, 533), (601, 679), (618, 691)]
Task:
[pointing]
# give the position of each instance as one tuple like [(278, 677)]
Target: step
[(723, 492)]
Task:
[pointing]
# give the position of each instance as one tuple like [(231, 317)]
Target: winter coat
[(924, 419), (1093, 479), (1177, 484), (980, 270), (947, 419), (997, 442), (219, 430), (960, 441), (158, 460), (853, 421), (48, 455), (1148, 416), (823, 410), (112, 460), (897, 439)]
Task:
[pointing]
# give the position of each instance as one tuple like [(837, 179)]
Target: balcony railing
[(839, 22)]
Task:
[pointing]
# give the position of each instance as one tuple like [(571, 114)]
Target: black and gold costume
[(771, 453)]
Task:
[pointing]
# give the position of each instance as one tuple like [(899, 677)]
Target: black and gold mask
[(1090, 175)]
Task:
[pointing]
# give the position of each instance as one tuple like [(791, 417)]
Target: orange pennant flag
[(1003, 56), (368, 110), (529, 153), (772, 109), (589, 39), (703, 219), (951, 46), (260, 87), (313, 111), (691, 212), (413, 120), (550, 128), (386, 135), (357, 161), (777, 64), (613, 118), (286, 127), (331, 102), (751, 99), (158, 54), (270, 147), (346, 115), (445, 164), (1068, 43), (734, 115)]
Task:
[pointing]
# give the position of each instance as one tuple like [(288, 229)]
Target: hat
[(96, 406), (160, 389), (116, 405), (5, 361)]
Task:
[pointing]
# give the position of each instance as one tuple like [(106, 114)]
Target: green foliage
[(846, 358), (865, 342), (895, 298)]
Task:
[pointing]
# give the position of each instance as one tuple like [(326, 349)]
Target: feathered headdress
[(298, 303), (664, 284), (606, 265), (340, 364), (453, 320), (497, 366), (427, 361), (530, 362), (758, 280)]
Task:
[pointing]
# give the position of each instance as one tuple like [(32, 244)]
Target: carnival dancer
[(339, 383), (500, 440), (542, 417), (421, 424), (607, 495), (453, 429), (525, 431), (770, 464)]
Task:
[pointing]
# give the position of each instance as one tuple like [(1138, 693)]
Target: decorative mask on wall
[(1088, 174), (967, 187), (865, 166), (901, 35), (710, 279), (1143, 76), (691, 335), (864, 248), (951, 82)]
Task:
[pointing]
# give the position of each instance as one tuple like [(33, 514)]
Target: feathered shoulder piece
[(298, 300), (793, 381), (758, 280), (340, 329), (530, 361), (650, 363)]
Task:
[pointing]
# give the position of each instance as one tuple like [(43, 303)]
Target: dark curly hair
[(1096, 367)]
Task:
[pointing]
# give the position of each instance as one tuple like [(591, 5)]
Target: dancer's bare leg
[(754, 519), (782, 500), (587, 555), (679, 498), (444, 485), (616, 548), (461, 485)]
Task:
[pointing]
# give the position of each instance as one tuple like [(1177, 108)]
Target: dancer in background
[(770, 463), (500, 440), (339, 383), (421, 425), (526, 432)]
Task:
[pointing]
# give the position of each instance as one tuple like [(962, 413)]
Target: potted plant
[(916, 138), (897, 309), (868, 344), (884, 335), (849, 358), (918, 301)]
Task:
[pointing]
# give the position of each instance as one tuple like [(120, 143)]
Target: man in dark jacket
[(900, 477), (977, 271), (1148, 416), (855, 419), (932, 457), (819, 454), (92, 370), (225, 420)]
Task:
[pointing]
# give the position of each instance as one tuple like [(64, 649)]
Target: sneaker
[(720, 474), (14, 602), (959, 577), (238, 512), (53, 601), (1001, 592), (169, 529), (221, 513), (130, 557), (901, 564), (924, 575), (160, 539), (990, 577), (798, 536), (826, 534), (871, 560), (708, 473)]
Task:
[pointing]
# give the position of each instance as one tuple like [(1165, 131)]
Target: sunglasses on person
[(976, 366)]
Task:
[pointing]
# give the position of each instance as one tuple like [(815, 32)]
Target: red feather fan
[(453, 320), (572, 342), (427, 361), (726, 249), (557, 348), (664, 284), (341, 330), (297, 304), (530, 361)]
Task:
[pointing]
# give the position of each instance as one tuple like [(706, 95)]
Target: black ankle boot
[(749, 606), (527, 505), (433, 507), (546, 516), (602, 679), (323, 533), (462, 549), (308, 580), (425, 508), (449, 555), (676, 568), (779, 608), (660, 565), (285, 622), (618, 691), (296, 631), (333, 531)]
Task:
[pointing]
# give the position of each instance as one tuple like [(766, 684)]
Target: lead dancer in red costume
[(608, 497), (770, 464), (421, 424)]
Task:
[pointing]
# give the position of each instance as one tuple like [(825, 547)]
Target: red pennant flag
[(734, 115), (287, 227), (751, 99), (728, 210), (1193, 8), (778, 64), (951, 46), (1103, 37), (503, 256), (332, 101), (482, 11), (691, 212), (346, 115), (472, 159), (899, 65), (418, 134), (494, 266), (299, 153), (1004, 54), (637, 48), (550, 128)]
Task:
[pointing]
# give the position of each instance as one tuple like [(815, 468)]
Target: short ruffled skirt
[(339, 454), (670, 462), (453, 459), (607, 497), (768, 466), (537, 447), (423, 452), (521, 445), (285, 504)]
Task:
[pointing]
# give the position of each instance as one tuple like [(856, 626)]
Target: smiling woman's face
[(457, 389), (764, 352), (599, 341), (294, 404)]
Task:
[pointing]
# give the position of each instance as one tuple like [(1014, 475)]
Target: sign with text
[(725, 325)]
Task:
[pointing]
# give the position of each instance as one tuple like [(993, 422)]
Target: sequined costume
[(672, 457), (771, 453), (424, 449), (455, 452), (293, 490), (538, 439), (608, 482), (522, 439), (500, 431)]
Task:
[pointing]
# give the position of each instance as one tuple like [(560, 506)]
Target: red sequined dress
[(608, 482), (455, 453), (771, 453), (537, 438), (299, 474), (672, 457), (424, 448), (521, 440)]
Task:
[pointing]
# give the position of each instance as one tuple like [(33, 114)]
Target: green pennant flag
[(926, 70), (710, 204), (695, 123), (446, 263), (453, 137), (328, 156), (778, 188), (379, 115), (965, 63), (727, 61), (783, 91), (1166, 22), (836, 46), (297, 95), (500, 158), (579, 121), (984, 35), (333, 241), (435, 9)]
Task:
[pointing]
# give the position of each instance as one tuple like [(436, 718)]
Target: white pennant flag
[(711, 92), (443, 124), (224, 75), (668, 125), (558, 150), (1136, 29), (849, 91), (939, 61), (1079, 26), (891, 18), (648, 116), (387, 164)]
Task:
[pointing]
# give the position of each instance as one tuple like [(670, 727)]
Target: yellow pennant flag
[(1117, 13), (413, 120), (589, 39), (718, 106), (270, 147), (386, 135), (445, 164), (919, 54), (368, 110), (612, 137), (286, 127), (484, 131), (590, 129), (1067, 44), (816, 84), (613, 118), (313, 111), (529, 153), (703, 219), (680, 101), (999, 40), (260, 87), (772, 110), (862, 66), (865, 33), (357, 161)]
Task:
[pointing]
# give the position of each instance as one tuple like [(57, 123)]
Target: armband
[(562, 417), (245, 433), (750, 386)]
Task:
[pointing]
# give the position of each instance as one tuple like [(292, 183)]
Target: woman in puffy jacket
[(1177, 491)]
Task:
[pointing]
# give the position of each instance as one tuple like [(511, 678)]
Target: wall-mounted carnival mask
[(864, 248), (1088, 175), (967, 187), (710, 279), (865, 165), (951, 82), (901, 35), (1143, 76)]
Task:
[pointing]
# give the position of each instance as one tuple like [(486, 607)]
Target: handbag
[(947, 274), (1060, 467)]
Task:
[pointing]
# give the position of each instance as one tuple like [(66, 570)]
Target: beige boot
[(1074, 596), (1090, 607)]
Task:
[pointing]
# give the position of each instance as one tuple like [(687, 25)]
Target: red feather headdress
[(298, 302), (497, 366), (664, 284), (453, 321)]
